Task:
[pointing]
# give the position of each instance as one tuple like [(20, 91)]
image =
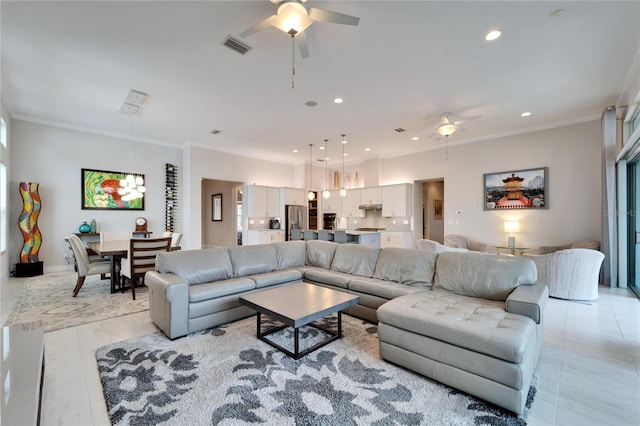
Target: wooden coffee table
[(297, 305)]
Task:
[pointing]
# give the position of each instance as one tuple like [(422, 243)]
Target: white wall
[(201, 164), (54, 157), (573, 156)]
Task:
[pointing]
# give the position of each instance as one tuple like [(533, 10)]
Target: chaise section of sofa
[(478, 330)]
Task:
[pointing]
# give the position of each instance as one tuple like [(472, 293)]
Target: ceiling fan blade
[(259, 26), (323, 15), (301, 42)]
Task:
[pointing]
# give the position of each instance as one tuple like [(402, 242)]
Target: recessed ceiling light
[(367, 149), (415, 138), (525, 114), (215, 131), (345, 154), (556, 13), (311, 103), (338, 100), (493, 35), (295, 150), (321, 148)]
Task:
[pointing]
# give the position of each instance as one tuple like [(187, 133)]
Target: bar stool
[(296, 234), (340, 236), (309, 234), (324, 235)]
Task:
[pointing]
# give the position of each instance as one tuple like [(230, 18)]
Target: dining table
[(115, 250)]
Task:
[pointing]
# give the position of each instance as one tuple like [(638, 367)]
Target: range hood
[(370, 206)]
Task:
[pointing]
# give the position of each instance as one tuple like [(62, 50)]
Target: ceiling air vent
[(399, 130), (237, 45)]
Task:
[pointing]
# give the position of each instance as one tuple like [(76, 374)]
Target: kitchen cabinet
[(396, 200), (262, 201), (264, 236), (371, 195), (333, 204), (350, 204), (294, 197), (399, 239)]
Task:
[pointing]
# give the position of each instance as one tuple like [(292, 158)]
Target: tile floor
[(588, 374)]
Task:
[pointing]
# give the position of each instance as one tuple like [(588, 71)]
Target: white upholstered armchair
[(459, 241), (570, 274)]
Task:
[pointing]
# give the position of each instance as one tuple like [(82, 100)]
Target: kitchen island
[(365, 238)]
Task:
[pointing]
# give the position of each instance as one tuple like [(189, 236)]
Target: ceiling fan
[(293, 18), (447, 127)]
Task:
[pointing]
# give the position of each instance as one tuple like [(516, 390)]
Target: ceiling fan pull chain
[(293, 62)]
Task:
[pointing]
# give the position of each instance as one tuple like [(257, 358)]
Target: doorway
[(431, 221), (221, 203)]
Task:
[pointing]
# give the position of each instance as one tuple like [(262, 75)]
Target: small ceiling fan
[(447, 127), (293, 18)]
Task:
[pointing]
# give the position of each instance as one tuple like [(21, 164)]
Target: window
[(3, 132), (3, 208)]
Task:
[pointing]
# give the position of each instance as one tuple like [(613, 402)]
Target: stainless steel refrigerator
[(295, 217)]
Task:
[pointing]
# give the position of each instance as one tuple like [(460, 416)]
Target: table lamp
[(511, 226)]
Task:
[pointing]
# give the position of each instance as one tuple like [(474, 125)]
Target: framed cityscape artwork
[(100, 191), (516, 189)]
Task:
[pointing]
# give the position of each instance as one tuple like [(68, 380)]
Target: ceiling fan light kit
[(446, 129)]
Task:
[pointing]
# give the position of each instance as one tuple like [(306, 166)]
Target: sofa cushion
[(197, 266), (476, 324), (586, 244), (380, 288), (406, 266), (320, 253), (290, 254), (276, 277), (483, 275), (198, 293), (327, 276), (355, 259), (249, 260)]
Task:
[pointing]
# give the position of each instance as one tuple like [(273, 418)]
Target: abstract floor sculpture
[(226, 375)]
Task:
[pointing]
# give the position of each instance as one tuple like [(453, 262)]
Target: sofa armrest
[(168, 303), (528, 300)]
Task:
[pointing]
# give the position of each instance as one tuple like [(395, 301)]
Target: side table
[(514, 251)]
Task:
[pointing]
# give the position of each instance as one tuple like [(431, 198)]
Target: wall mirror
[(216, 207)]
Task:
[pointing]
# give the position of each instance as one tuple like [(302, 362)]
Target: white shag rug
[(227, 376)]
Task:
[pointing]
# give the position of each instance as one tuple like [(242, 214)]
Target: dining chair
[(141, 257), (84, 266), (176, 238), (115, 236), (296, 234), (324, 235), (340, 236), (309, 234)]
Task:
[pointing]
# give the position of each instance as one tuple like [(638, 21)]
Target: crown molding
[(76, 128)]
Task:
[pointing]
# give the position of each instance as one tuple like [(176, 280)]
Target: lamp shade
[(511, 226), (292, 18)]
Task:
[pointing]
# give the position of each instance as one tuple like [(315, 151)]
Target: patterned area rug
[(48, 297), (226, 376)]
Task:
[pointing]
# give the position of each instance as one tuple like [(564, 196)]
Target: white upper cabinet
[(294, 197), (371, 195), (351, 202), (333, 204), (262, 201), (396, 200)]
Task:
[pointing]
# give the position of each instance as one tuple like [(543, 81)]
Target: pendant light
[(343, 190), (311, 195), (326, 194)]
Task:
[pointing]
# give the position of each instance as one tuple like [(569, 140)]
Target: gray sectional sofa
[(469, 320)]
